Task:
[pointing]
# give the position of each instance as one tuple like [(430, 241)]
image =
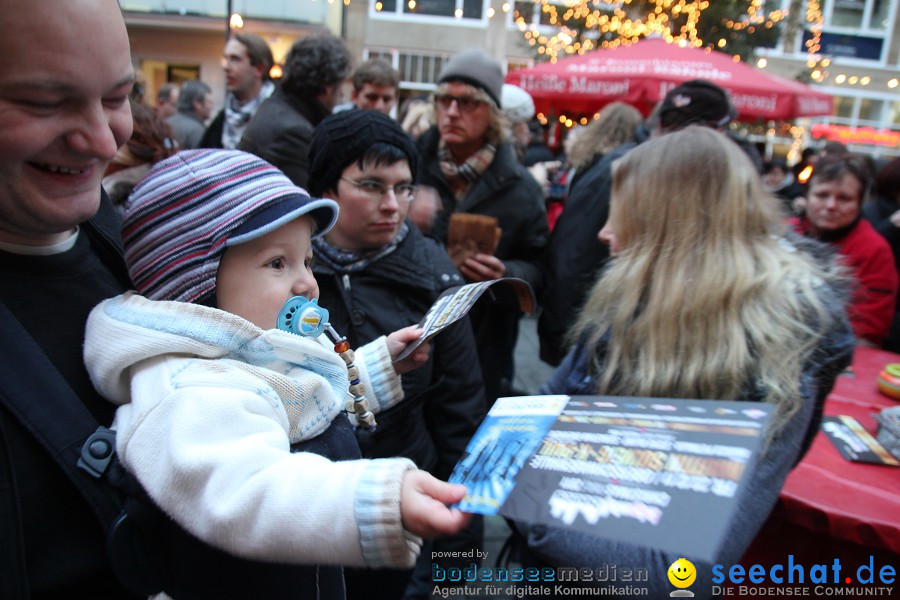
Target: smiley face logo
[(682, 573)]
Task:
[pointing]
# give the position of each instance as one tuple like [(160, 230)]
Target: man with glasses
[(467, 159), (376, 272)]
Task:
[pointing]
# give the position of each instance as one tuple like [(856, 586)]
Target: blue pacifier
[(303, 317)]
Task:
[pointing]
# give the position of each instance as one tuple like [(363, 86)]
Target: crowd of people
[(162, 432)]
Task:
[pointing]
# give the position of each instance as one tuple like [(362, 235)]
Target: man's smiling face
[(58, 128)]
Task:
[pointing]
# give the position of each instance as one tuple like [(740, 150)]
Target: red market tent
[(642, 73)]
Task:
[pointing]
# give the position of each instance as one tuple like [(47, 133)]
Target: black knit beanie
[(475, 68), (342, 138)]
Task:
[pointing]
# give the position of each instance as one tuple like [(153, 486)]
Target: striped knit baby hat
[(191, 206)]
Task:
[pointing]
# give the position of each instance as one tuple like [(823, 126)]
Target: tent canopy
[(641, 74)]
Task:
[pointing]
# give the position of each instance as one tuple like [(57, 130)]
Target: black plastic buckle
[(97, 452)]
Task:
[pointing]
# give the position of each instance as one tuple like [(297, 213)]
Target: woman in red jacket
[(833, 214)]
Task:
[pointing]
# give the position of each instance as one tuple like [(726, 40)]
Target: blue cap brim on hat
[(323, 210)]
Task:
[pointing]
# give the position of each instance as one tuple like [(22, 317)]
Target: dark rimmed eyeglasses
[(465, 103), (376, 190)]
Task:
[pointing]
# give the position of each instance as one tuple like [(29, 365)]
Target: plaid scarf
[(347, 261), (238, 115), (461, 177)]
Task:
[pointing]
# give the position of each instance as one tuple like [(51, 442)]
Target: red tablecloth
[(841, 500)]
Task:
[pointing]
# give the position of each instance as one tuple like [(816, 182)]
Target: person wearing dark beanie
[(337, 142), (375, 269), (477, 69), (469, 161)]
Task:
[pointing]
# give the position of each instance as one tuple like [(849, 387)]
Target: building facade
[(857, 43)]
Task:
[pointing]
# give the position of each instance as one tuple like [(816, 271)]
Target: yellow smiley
[(682, 573)]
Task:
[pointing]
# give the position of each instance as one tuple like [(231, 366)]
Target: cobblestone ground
[(531, 372)]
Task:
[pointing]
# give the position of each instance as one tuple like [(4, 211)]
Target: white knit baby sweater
[(210, 405)]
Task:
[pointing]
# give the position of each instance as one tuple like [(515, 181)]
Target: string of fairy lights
[(612, 23)]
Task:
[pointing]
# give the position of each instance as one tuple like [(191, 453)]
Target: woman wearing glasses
[(375, 270)]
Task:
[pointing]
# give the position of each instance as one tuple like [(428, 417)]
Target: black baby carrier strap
[(35, 393), (149, 552)]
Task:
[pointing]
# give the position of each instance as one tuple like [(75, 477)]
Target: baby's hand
[(423, 501), (401, 338)]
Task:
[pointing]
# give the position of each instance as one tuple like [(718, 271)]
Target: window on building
[(460, 9), (301, 11), (880, 13), (846, 13), (420, 68), (870, 110), (525, 10), (843, 106), (894, 112), (548, 14), (857, 14), (439, 8), (472, 9)]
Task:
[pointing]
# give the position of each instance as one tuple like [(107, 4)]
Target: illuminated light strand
[(607, 24)]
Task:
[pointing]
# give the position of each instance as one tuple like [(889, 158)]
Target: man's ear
[(331, 194)]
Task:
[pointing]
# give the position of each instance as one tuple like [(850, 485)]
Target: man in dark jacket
[(247, 63), (467, 159), (195, 105), (280, 131), (376, 273), (59, 256)]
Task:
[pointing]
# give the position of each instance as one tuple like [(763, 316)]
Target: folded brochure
[(645, 471), (456, 302), (855, 443)]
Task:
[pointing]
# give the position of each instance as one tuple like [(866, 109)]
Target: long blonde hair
[(706, 297), (614, 126)]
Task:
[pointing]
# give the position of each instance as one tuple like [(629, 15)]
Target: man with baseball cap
[(468, 160)]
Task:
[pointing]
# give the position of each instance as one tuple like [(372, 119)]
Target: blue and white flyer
[(644, 471), (509, 434)]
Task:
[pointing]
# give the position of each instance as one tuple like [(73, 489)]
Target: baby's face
[(257, 277)]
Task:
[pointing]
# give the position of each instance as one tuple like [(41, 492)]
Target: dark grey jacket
[(575, 256), (280, 133), (444, 398), (508, 192)]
